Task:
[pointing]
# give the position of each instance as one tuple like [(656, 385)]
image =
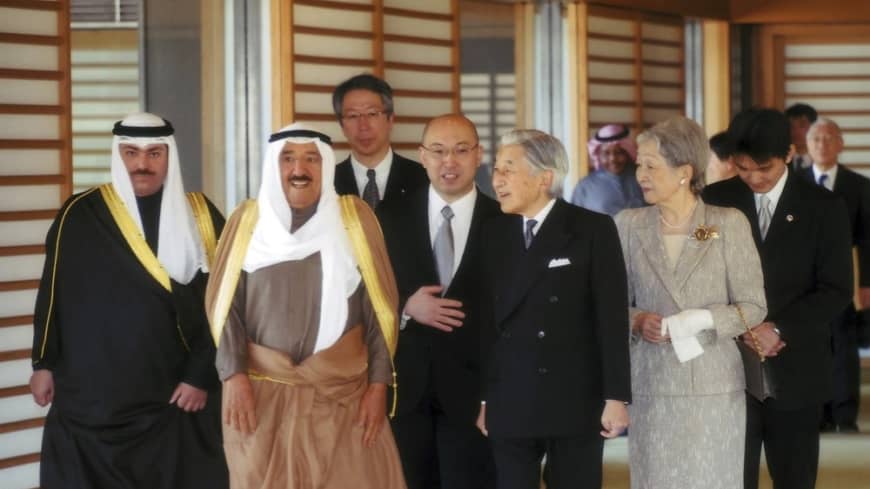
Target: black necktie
[(370, 192)]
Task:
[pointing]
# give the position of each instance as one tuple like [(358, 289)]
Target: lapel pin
[(789, 218)]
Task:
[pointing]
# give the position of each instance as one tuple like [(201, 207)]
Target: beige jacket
[(717, 274)]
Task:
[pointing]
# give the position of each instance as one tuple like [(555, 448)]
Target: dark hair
[(721, 145), (761, 134), (802, 110), (364, 81)]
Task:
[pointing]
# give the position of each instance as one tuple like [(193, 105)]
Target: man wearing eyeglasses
[(364, 108), (432, 238)]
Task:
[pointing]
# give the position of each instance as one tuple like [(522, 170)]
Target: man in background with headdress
[(121, 346), (612, 187), (303, 306)]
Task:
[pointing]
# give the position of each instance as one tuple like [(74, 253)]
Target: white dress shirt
[(540, 216), (382, 173), (773, 195), (831, 173), (462, 208)]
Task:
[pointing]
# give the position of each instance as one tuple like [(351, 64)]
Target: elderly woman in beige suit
[(694, 280)]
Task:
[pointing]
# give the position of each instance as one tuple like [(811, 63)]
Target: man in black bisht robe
[(121, 347)]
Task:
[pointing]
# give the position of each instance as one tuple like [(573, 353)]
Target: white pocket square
[(559, 262)]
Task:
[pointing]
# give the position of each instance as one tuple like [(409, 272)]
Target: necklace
[(679, 224)]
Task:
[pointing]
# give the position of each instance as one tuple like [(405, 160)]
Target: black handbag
[(760, 382)]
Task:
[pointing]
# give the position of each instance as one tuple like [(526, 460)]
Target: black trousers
[(572, 463), (438, 452), (791, 444), (842, 410)]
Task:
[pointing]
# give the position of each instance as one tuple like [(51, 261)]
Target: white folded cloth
[(683, 327)]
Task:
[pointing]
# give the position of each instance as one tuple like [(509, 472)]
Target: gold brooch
[(703, 233)]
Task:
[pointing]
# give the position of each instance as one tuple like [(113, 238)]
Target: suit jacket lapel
[(420, 234), (551, 237), (693, 250), (395, 179), (471, 241), (649, 237), (344, 174), (786, 210)]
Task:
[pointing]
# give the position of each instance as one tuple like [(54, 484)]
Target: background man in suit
[(825, 143), (802, 235), (800, 118), (433, 236), (555, 354), (364, 108)]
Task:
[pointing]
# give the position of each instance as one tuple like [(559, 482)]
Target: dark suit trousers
[(791, 444), (843, 408), (439, 452), (572, 462)]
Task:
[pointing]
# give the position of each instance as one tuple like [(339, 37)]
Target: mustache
[(299, 178), (142, 171)]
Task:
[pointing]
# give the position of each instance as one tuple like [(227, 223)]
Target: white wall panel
[(860, 157), (42, 92), (661, 32), (28, 57), (21, 477), (826, 86), (599, 91), (412, 53), (94, 143), (314, 102), (20, 407), (822, 104), (24, 21), (662, 94), (332, 46), (662, 74), (657, 52), (332, 75), (853, 121), (30, 127), (844, 67), (419, 106), (28, 197), (408, 133), (832, 50), (103, 91), (20, 442), (353, 20), (29, 162), (15, 338), (104, 109), (17, 303), (605, 25), (653, 116), (857, 139), (606, 115), (618, 71), (22, 267), (22, 233), (14, 373), (412, 26), (616, 49), (415, 80), (100, 73), (442, 7)]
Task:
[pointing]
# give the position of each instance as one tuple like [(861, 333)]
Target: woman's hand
[(649, 325)]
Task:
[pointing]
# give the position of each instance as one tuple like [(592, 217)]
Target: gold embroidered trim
[(233, 268), (253, 374), (133, 236), (54, 269), (199, 207), (383, 311)]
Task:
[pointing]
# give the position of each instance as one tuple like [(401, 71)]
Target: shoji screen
[(629, 69), (834, 77), (413, 45), (34, 180)]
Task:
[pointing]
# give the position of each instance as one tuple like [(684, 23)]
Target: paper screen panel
[(332, 46), (22, 267), (28, 57), (23, 233), (29, 162), (43, 92), (434, 6), (610, 26), (346, 19), (326, 74), (27, 21)]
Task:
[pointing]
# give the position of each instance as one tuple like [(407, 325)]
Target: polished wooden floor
[(844, 459)]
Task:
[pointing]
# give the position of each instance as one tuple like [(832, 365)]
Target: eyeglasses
[(460, 151), (369, 116)]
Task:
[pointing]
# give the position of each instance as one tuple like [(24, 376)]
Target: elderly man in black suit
[(825, 143), (433, 238), (555, 346), (803, 237), (364, 108)]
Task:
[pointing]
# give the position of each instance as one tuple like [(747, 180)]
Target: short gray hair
[(543, 152), (681, 141), (824, 121)]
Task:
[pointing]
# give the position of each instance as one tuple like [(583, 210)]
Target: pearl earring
[(683, 181)]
